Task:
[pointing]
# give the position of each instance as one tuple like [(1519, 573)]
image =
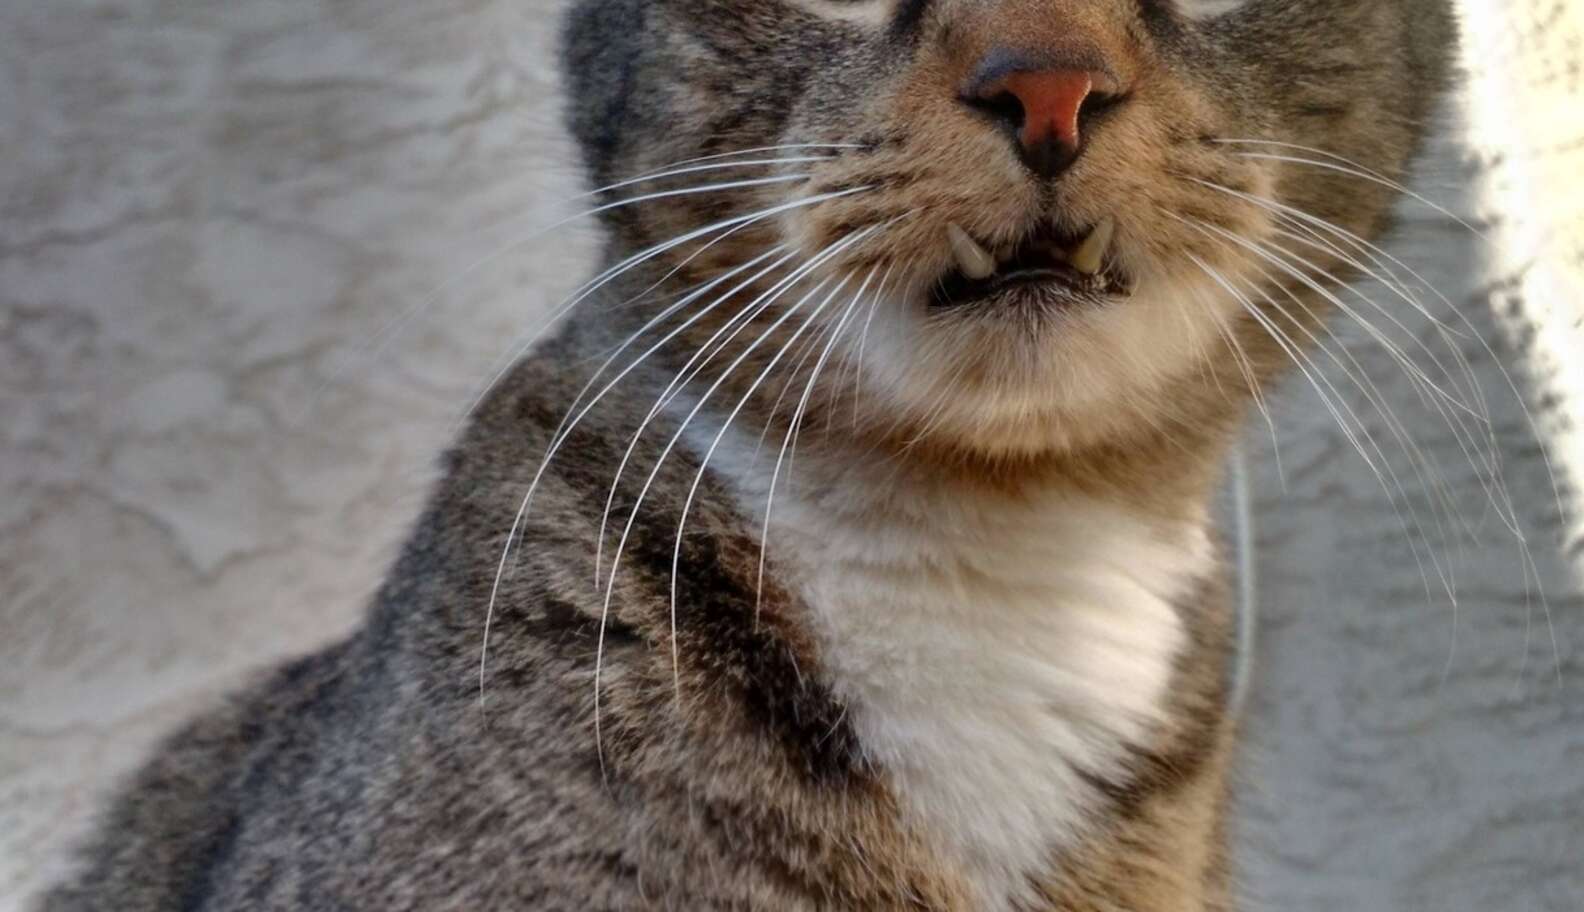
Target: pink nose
[(1043, 106), (1051, 100)]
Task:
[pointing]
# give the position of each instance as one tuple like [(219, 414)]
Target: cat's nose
[(1044, 106)]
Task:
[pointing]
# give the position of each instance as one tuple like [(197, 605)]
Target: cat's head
[(1047, 223)]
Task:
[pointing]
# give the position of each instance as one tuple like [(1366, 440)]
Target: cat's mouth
[(1061, 267)]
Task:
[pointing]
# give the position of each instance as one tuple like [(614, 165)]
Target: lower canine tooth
[(974, 261), (1090, 254)]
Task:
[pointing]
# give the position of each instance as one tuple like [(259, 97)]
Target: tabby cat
[(848, 545)]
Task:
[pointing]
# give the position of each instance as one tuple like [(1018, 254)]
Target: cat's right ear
[(601, 43), (908, 15)]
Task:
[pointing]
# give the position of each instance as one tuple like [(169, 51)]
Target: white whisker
[(564, 430), (701, 358), (1336, 301), (1371, 250), (754, 150), (1356, 373), (695, 169), (1313, 225), (863, 338), (792, 426), (698, 477), (830, 251), (1486, 460), (594, 284), (385, 336), (1320, 384), (1372, 178)]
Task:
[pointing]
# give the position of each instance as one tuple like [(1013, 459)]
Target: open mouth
[(1051, 266)]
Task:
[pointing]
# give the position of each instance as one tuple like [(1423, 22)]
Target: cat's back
[(171, 838), (334, 784)]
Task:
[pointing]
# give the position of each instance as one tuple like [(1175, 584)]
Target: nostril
[(1095, 105), (1002, 107)]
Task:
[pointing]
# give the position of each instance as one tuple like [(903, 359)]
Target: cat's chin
[(1016, 375)]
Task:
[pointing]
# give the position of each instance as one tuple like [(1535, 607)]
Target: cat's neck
[(1002, 646)]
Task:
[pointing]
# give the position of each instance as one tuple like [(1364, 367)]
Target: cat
[(848, 546)]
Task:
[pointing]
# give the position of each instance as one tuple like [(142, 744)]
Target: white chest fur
[(991, 652)]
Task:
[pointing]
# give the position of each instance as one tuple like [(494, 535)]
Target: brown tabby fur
[(380, 774)]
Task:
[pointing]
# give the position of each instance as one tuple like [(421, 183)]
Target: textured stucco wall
[(1407, 751), (216, 417)]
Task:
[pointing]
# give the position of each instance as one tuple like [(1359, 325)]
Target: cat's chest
[(995, 662)]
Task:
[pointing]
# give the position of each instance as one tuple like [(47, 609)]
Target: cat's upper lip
[(1075, 265)]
